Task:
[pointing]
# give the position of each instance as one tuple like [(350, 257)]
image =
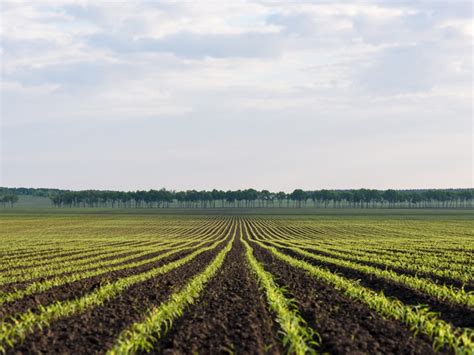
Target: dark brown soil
[(232, 314), (79, 288), (97, 328), (437, 279), (230, 317), (455, 314), (345, 326), (41, 261), (7, 288), (26, 254), (22, 285), (59, 252), (77, 258)]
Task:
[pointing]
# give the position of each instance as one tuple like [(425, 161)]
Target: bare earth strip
[(231, 316), (97, 328)]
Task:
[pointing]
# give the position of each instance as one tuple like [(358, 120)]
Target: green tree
[(299, 196)]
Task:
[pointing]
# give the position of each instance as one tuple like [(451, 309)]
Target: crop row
[(71, 236), (419, 242), (83, 249), (141, 336), (12, 331), (418, 319), (77, 274), (91, 262), (302, 248), (450, 268)]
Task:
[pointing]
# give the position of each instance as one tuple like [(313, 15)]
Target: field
[(381, 282)]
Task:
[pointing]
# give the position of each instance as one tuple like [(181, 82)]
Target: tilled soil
[(453, 313), (231, 316), (57, 252), (437, 279), (345, 326), (10, 287), (79, 288), (97, 328), (74, 259)]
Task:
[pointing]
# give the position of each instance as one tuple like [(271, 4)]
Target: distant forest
[(249, 198)]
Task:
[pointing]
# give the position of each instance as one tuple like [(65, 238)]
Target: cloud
[(400, 70), (66, 75), (270, 92), (189, 45)]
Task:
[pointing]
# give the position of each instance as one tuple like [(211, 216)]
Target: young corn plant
[(44, 285), (441, 292), (460, 340), (16, 329), (141, 336), (298, 338)]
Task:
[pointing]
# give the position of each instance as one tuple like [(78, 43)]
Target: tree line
[(29, 191), (10, 195), (8, 199), (251, 198)]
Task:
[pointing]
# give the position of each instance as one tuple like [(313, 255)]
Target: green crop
[(13, 331), (417, 318), (141, 336), (298, 337)]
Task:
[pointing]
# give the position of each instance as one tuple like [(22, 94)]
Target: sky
[(229, 95)]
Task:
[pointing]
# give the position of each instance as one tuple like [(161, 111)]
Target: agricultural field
[(238, 283)]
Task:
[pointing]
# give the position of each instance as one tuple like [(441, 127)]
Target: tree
[(265, 196), (299, 196), (326, 196), (251, 196), (9, 199), (230, 196), (281, 196), (446, 198), (391, 196)]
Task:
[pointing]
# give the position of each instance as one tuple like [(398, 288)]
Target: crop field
[(245, 284)]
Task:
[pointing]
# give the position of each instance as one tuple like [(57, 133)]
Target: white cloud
[(465, 27), (269, 84)]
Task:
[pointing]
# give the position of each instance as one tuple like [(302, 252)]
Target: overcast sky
[(276, 95)]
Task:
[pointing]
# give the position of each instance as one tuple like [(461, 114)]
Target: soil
[(437, 279), (58, 252), (345, 326), (97, 328), (231, 316), (80, 287), (455, 314), (76, 258)]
